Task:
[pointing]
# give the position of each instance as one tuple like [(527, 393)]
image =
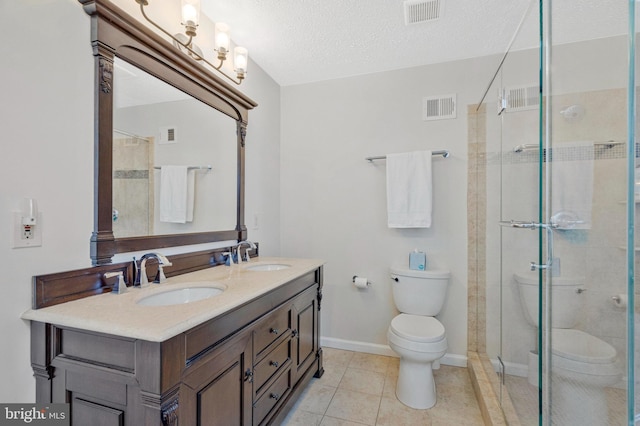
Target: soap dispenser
[(120, 286)]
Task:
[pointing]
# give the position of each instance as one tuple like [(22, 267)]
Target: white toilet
[(415, 335), (581, 364)]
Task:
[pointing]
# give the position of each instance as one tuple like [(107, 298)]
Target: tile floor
[(359, 389)]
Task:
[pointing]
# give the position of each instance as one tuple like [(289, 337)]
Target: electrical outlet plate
[(20, 238)]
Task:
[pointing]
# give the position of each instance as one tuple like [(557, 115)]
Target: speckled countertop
[(120, 315)]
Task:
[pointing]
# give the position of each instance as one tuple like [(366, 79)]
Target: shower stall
[(553, 205)]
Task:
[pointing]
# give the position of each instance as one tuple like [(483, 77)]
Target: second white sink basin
[(267, 267), (181, 295)]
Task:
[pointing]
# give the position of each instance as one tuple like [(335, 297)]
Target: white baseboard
[(377, 349)]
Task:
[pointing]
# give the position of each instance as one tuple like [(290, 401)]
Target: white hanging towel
[(572, 186), (409, 190), (177, 186)]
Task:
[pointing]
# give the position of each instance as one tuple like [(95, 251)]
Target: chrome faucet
[(141, 274), (251, 246)]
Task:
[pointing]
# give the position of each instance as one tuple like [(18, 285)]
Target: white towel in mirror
[(409, 190), (177, 184)]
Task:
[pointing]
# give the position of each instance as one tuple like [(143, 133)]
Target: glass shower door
[(584, 133)]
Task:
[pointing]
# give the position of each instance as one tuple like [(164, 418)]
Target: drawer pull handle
[(274, 330), (248, 376), (274, 363), (274, 396)]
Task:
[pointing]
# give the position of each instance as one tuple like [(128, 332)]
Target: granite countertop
[(120, 315)]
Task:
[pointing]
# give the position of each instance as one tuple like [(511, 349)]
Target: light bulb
[(240, 60)]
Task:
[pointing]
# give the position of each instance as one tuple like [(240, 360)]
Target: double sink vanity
[(213, 344), (219, 346)]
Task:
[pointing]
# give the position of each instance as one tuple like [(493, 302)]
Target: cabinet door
[(305, 341), (217, 391)]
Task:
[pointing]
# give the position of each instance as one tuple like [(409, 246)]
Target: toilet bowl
[(415, 335), (419, 341), (581, 364)]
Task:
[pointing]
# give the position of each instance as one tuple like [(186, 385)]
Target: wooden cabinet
[(245, 367)]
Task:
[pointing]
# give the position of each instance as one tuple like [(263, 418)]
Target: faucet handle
[(120, 286), (160, 276), (246, 254)]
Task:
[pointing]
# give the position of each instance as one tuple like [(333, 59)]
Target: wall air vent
[(522, 98), (419, 11), (439, 107), (168, 135)]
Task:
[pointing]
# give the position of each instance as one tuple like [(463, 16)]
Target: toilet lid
[(580, 346), (417, 328)]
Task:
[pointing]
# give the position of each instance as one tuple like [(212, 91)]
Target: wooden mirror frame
[(115, 33)]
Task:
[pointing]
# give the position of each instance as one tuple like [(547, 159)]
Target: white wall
[(46, 105), (333, 202)]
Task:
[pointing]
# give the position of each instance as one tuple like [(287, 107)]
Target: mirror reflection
[(174, 159)]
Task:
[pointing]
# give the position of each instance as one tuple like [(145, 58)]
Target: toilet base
[(416, 387)]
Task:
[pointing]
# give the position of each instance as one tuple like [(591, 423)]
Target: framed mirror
[(157, 113)]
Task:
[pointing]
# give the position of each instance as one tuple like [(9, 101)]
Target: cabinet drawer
[(277, 360), (276, 393), (274, 325)]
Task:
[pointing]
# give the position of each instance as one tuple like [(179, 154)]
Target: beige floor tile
[(332, 421), (331, 356), (362, 381), (354, 406), (302, 418), (377, 363), (455, 404), (315, 398), (333, 374), (394, 413), (390, 383)]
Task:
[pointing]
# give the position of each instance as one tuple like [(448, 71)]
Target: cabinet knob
[(248, 376), (294, 333), (274, 363), (274, 396), (273, 330)]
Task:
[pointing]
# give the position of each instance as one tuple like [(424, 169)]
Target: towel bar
[(444, 153)]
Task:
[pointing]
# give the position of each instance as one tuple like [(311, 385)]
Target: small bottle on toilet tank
[(417, 260)]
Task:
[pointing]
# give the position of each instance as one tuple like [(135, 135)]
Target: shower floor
[(525, 400)]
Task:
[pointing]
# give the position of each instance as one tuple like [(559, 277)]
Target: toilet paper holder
[(361, 282)]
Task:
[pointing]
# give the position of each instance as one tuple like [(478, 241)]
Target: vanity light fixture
[(222, 41)]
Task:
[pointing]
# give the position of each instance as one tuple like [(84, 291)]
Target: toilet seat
[(417, 333), (417, 328)]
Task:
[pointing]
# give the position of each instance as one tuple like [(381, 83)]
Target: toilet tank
[(567, 299), (419, 292)]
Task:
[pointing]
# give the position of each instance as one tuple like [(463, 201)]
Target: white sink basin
[(181, 295), (267, 267)]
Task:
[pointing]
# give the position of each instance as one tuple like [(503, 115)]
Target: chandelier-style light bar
[(222, 41)]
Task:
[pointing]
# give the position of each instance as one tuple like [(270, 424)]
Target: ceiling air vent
[(418, 11), (522, 98), (439, 107)]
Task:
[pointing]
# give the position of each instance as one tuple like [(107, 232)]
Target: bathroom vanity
[(239, 358)]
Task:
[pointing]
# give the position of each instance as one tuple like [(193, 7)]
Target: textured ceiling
[(302, 41)]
